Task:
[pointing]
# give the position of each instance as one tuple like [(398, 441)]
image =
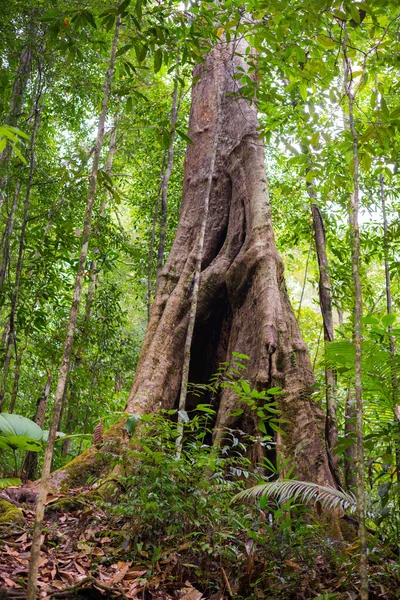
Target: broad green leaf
[(15, 425), (185, 137)]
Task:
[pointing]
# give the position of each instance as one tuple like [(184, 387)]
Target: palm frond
[(328, 497)]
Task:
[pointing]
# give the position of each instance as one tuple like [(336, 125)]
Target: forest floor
[(87, 553)]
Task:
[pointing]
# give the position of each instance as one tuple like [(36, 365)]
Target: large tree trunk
[(243, 304)]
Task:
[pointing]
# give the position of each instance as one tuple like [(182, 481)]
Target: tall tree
[(242, 299)]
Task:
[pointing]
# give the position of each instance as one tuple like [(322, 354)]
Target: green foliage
[(187, 497), (327, 496)]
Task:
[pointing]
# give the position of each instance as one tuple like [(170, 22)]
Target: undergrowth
[(176, 514)]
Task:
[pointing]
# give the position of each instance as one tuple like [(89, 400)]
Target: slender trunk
[(18, 272), (350, 454), (62, 379), (198, 261), (93, 265), (304, 283), (17, 373), (68, 429), (17, 98), (8, 235), (31, 458), (165, 182), (152, 239), (355, 233), (389, 312), (325, 300)]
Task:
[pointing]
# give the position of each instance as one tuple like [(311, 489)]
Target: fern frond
[(328, 497)]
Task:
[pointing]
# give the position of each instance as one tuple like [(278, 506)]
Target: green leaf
[(124, 49), (185, 137), (51, 15), (15, 425), (18, 153), (131, 423), (18, 132), (354, 13), (395, 113), (246, 387), (303, 91), (325, 41), (6, 482), (388, 320), (157, 60), (275, 391), (384, 108), (123, 6), (89, 18), (20, 442), (59, 436)]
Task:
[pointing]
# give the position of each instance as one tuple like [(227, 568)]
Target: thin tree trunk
[(325, 302), (165, 182), (389, 312), (18, 272), (63, 374), (355, 233), (68, 429), (17, 99), (325, 299), (17, 374), (350, 453), (152, 239), (7, 241), (31, 458)]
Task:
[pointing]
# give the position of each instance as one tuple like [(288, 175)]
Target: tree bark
[(165, 182), (17, 98), (350, 454), (152, 240)]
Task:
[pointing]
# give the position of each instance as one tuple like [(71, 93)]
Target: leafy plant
[(327, 496)]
